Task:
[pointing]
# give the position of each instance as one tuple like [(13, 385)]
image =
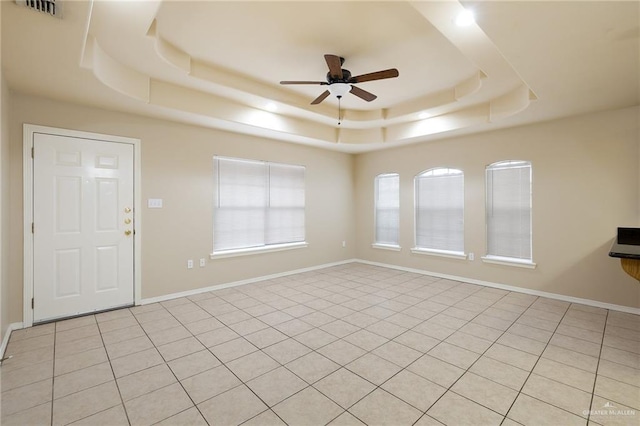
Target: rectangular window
[(257, 204), (439, 203), (387, 209), (509, 210)]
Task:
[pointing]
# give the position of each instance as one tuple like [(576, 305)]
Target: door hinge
[(33, 227), (33, 152), (32, 303)]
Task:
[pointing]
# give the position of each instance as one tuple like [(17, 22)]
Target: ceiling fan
[(341, 82)]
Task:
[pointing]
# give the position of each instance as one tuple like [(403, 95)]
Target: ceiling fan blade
[(320, 98), (362, 94), (303, 82), (378, 75), (335, 66)]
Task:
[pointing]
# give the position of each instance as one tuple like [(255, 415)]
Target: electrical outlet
[(203, 263), (189, 264), (471, 256)]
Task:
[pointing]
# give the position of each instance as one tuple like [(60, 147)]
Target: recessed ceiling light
[(465, 18), (271, 106)]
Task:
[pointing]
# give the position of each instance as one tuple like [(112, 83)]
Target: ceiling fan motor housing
[(346, 75)]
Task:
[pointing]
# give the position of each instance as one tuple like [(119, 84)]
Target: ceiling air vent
[(50, 7)]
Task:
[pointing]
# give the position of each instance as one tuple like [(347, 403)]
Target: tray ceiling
[(219, 64)]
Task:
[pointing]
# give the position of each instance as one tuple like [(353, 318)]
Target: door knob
[(127, 210), (127, 221), (127, 232)]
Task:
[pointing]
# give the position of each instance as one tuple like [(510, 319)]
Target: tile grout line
[(376, 387), (115, 380), (308, 385), (472, 364), (379, 319), (312, 350), (169, 367), (392, 339), (148, 368), (368, 290), (389, 340), (94, 386), (534, 366), (242, 382), (595, 379)]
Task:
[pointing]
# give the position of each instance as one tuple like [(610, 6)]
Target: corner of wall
[(4, 199), (5, 323)]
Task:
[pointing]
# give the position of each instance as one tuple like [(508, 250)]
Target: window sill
[(257, 250), (509, 261), (391, 247), (440, 253)]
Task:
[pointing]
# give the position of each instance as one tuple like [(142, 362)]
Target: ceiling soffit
[(165, 71)]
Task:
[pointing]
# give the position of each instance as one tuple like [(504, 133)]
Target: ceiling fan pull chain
[(339, 98)]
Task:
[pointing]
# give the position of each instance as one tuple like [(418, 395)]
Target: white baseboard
[(7, 335), (571, 299), (239, 283)]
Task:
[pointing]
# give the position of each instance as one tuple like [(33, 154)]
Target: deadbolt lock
[(127, 210)]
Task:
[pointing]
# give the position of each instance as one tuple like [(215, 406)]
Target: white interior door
[(83, 215)]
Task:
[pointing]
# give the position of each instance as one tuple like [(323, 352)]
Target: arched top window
[(387, 209), (508, 209), (439, 214), (439, 172), (509, 164)]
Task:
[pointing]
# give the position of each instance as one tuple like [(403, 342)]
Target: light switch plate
[(154, 203)]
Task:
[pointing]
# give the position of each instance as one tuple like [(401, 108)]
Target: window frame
[(500, 259), (452, 254), (265, 247), (377, 244)]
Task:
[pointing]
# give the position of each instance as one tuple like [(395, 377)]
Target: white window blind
[(285, 214), (509, 209), (439, 204), (387, 209), (257, 204)]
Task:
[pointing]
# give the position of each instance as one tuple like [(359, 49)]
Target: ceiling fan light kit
[(339, 89)]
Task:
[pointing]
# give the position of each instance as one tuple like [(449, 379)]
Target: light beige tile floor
[(347, 345)]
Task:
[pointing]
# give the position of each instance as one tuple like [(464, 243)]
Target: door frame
[(29, 130)]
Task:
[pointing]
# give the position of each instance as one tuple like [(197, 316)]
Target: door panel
[(83, 194), (106, 268), (107, 204), (67, 273), (67, 197)]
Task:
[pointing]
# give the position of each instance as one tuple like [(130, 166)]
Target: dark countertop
[(624, 251)]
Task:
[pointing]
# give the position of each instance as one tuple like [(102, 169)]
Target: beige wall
[(4, 200), (4, 207), (177, 167), (585, 185)]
